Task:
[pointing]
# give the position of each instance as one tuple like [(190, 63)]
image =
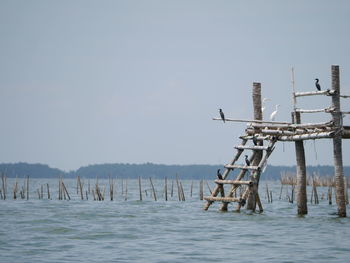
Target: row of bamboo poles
[(98, 191), (313, 181)]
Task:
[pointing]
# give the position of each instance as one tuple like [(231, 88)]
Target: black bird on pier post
[(222, 115), (246, 160), (318, 86), (219, 175)]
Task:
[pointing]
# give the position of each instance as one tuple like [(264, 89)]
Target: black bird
[(318, 86), (255, 140), (222, 115), (219, 175), (247, 161)]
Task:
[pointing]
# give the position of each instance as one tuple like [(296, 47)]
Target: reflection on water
[(173, 231)]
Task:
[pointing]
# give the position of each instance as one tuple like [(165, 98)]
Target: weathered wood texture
[(337, 143), (301, 172), (256, 95)]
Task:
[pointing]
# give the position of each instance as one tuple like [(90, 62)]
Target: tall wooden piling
[(301, 171), (251, 204), (337, 143)]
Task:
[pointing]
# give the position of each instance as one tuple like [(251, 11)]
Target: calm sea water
[(173, 231)]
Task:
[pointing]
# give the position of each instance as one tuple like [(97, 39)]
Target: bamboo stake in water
[(65, 190), (3, 186), (48, 191), (80, 188), (15, 189), (267, 193), (191, 187), (140, 188), (28, 187), (201, 194), (166, 188), (182, 193), (126, 189), (111, 188), (154, 191), (178, 188), (172, 188)]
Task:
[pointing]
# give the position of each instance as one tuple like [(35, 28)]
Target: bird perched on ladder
[(318, 86), (219, 175), (273, 114), (246, 160), (222, 115), (255, 140)]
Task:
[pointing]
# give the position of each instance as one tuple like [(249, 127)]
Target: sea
[(129, 230)]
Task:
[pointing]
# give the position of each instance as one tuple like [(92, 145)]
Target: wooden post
[(28, 187), (80, 188), (301, 171), (140, 188), (182, 192), (154, 191), (48, 191), (251, 204), (191, 187), (337, 143), (166, 188), (126, 189), (3, 186)]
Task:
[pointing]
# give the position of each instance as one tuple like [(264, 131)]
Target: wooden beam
[(313, 93), (251, 121), (235, 182), (309, 136), (291, 125), (223, 199), (228, 166), (254, 148), (328, 110)]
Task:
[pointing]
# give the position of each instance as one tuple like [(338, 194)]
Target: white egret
[(273, 114)]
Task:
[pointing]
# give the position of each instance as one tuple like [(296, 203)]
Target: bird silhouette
[(255, 140), (246, 160), (318, 86), (222, 115), (219, 175), (273, 114)]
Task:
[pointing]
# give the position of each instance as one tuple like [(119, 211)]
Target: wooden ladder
[(249, 186)]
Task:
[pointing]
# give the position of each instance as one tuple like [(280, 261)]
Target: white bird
[(273, 114), (263, 104)]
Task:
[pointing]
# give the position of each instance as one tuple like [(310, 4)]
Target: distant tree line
[(121, 170)]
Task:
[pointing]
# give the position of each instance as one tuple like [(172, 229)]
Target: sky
[(89, 82)]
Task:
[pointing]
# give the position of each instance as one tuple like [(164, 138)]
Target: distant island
[(122, 170)]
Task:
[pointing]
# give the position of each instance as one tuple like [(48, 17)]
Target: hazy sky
[(85, 82)]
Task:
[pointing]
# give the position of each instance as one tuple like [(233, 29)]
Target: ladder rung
[(241, 167), (260, 138), (235, 182), (255, 148), (223, 199)]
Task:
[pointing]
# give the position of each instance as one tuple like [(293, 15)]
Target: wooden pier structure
[(265, 134)]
